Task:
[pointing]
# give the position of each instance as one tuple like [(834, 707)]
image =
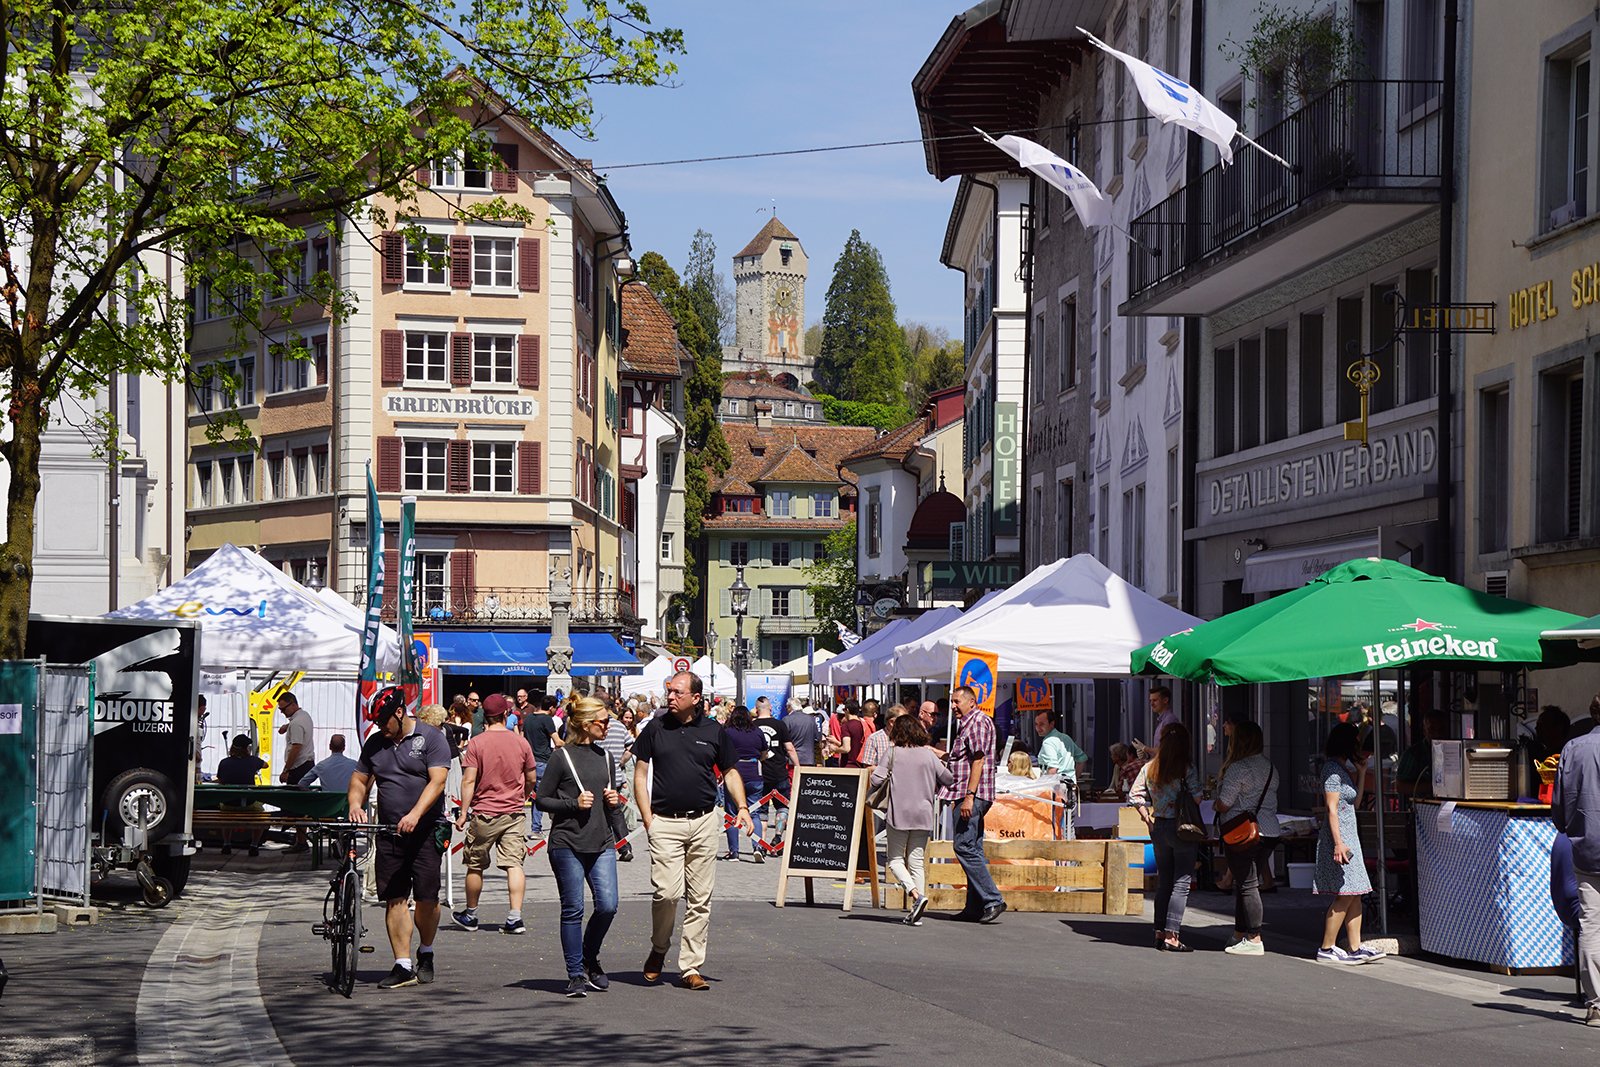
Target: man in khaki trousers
[(675, 785)]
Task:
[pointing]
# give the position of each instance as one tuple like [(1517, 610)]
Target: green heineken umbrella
[(1585, 631), (1365, 615)]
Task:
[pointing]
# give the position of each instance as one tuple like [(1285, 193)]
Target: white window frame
[(425, 457), (491, 479), (417, 342), (433, 272), (451, 171), (497, 354), (204, 483), (496, 271)]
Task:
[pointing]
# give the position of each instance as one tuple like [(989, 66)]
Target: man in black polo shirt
[(678, 807)]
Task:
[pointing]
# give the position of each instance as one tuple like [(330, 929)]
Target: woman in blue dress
[(1341, 871)]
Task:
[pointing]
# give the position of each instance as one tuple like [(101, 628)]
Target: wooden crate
[(1045, 876)]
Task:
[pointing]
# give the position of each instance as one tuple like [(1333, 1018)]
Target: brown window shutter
[(458, 466), (391, 580), (393, 347), (388, 464), (424, 175), (530, 467), (461, 359), (463, 582), (394, 258), (528, 361), (528, 268), (504, 177), (460, 261)]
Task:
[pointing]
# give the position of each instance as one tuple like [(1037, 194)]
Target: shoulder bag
[(878, 794), (1186, 812), (1241, 831)]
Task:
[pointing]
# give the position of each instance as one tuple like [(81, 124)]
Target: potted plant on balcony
[(1296, 60)]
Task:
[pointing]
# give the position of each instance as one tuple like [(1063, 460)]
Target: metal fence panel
[(19, 732), (65, 776)]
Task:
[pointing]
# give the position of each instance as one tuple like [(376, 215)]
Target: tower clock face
[(783, 298)]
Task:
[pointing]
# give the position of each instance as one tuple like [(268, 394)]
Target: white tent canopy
[(878, 665), (884, 638), (799, 668), (253, 615), (653, 679), (1073, 618)]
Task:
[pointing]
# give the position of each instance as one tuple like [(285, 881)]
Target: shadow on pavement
[(1112, 932)]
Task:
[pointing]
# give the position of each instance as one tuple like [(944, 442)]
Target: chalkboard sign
[(829, 823)]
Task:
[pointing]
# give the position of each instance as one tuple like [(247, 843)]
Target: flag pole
[(1270, 155)]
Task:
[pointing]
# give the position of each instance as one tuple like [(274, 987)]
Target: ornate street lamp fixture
[(739, 601)]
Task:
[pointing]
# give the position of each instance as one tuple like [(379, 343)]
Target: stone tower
[(769, 277)]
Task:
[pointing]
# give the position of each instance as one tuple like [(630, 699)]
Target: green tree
[(708, 289), (863, 354), (831, 583), (708, 452), (936, 362), (220, 132), (855, 413)]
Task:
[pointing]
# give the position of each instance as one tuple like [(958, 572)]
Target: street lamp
[(739, 601), (711, 651), (683, 628)]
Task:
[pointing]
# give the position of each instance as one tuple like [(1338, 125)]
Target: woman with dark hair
[(1165, 780), (1341, 872), (748, 743), (1246, 785), (915, 773)]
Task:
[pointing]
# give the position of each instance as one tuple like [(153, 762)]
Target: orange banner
[(1033, 694), (979, 671)]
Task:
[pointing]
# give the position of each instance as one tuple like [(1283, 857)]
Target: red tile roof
[(772, 231), (893, 446), (743, 388), (786, 450), (652, 346)]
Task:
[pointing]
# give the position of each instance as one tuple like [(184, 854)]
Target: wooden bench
[(225, 822), (1078, 877)]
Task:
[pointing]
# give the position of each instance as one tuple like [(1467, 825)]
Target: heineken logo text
[(1380, 654)]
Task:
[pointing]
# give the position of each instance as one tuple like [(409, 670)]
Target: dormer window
[(758, 450)]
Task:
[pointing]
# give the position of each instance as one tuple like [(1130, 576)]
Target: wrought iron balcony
[(1371, 144), (517, 607), (787, 624)]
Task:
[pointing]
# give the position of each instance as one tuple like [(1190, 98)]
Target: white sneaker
[(1246, 947), (1593, 1018), (1366, 954), (1335, 955)]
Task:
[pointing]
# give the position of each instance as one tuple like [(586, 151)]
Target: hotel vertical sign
[(1007, 468)]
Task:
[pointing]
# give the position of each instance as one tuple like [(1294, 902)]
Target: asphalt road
[(808, 985)]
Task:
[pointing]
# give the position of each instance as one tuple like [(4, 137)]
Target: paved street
[(233, 974)]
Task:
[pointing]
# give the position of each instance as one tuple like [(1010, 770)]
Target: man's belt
[(693, 813)]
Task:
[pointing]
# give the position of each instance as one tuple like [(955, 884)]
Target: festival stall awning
[(524, 652), (1073, 618), (652, 680), (878, 665), (252, 614), (883, 638)]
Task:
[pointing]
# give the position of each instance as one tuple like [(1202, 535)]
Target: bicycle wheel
[(349, 939)]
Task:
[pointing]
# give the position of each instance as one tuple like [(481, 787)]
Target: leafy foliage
[(863, 353), (936, 361), (1309, 49), (832, 584), (855, 413), (219, 133)]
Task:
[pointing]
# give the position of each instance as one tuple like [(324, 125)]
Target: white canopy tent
[(878, 665), (252, 615), (653, 679), (1074, 618), (800, 669), (884, 638)]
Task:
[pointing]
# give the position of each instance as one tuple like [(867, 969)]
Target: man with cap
[(497, 777), (409, 760)]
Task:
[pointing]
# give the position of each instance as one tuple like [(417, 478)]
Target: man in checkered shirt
[(971, 760)]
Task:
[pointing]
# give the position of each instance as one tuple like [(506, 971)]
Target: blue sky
[(767, 76)]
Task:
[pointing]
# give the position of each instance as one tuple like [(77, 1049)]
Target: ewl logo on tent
[(1443, 646), (194, 609)]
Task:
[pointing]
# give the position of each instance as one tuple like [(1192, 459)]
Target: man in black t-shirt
[(409, 760), (777, 756), (678, 806), (539, 727)]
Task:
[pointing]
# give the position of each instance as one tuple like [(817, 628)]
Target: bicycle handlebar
[(353, 827)]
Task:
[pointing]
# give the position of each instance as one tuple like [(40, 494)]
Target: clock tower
[(769, 276)]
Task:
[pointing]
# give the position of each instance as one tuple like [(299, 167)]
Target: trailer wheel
[(155, 789), (158, 894), (175, 869)]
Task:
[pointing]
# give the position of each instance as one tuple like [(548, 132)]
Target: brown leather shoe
[(653, 964), (693, 981)]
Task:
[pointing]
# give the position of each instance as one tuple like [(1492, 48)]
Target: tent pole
[(1377, 756)]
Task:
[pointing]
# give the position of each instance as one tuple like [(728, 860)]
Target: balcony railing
[(787, 624), (518, 607), (1358, 135)]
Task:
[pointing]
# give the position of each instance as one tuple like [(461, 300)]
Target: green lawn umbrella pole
[(1366, 615)]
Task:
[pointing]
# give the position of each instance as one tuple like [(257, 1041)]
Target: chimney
[(763, 415)]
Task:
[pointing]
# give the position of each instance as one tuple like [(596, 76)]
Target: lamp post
[(682, 626), (711, 651), (558, 655), (739, 602)]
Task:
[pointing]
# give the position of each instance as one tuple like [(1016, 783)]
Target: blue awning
[(523, 652)]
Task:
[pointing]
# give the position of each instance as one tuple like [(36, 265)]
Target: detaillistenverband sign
[(451, 406)]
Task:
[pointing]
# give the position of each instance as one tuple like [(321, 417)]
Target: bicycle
[(341, 922)]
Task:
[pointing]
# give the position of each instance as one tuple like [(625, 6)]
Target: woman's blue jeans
[(750, 797), (572, 869)]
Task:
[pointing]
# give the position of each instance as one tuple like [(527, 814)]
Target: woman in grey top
[(1248, 783), (578, 789), (915, 773)]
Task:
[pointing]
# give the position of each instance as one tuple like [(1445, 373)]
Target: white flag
[(1172, 100), (1092, 206), (848, 637)]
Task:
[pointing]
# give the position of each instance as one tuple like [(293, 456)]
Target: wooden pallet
[(1070, 877)]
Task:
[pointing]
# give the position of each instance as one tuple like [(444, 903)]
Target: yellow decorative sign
[(1534, 304)]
